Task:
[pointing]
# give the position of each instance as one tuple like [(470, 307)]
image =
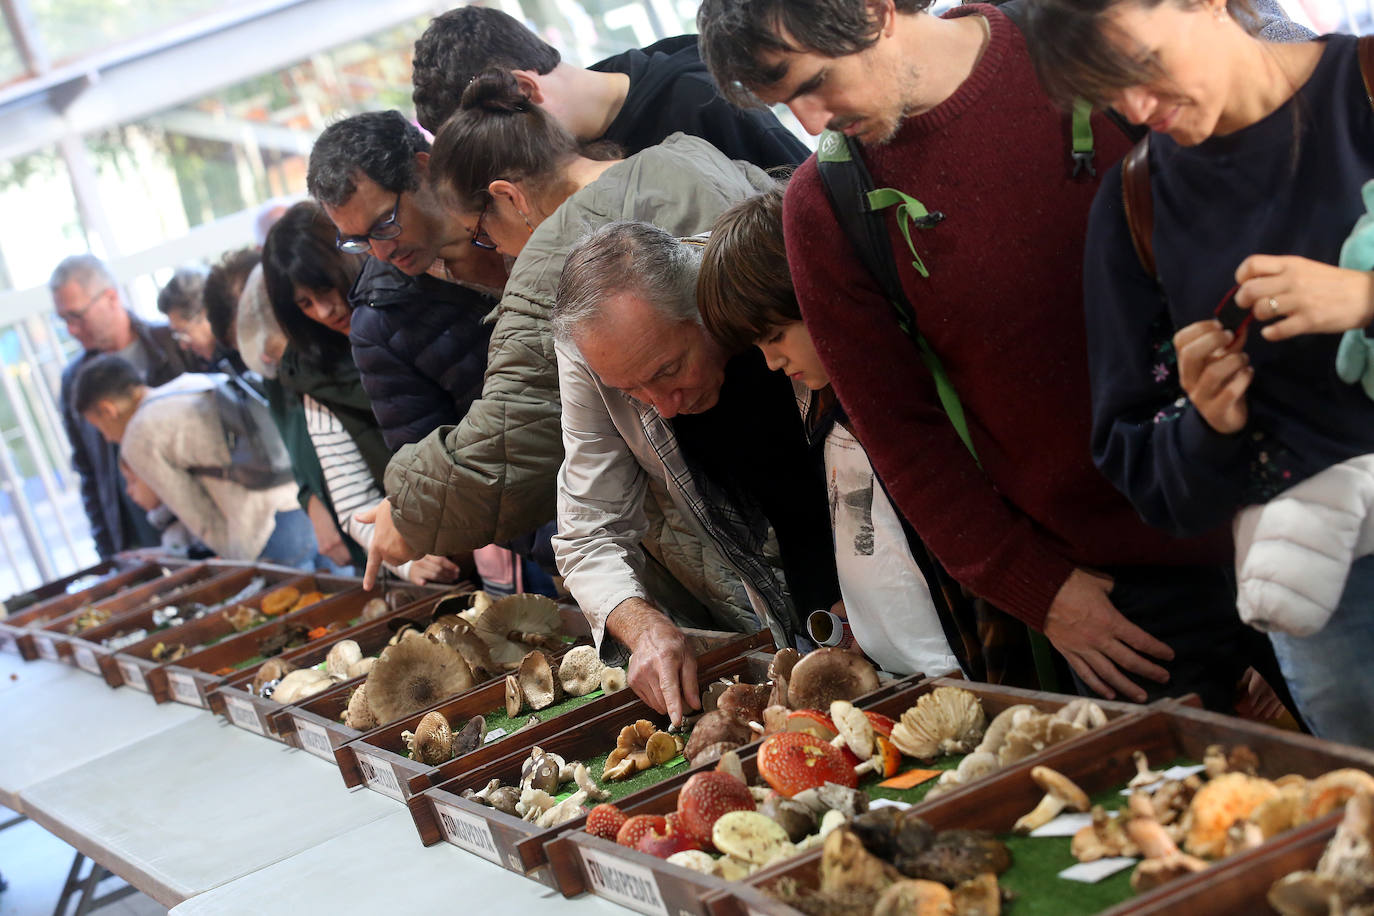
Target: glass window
[(10, 64), (73, 28), (37, 186)]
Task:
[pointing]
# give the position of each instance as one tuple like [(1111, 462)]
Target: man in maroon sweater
[(949, 111)]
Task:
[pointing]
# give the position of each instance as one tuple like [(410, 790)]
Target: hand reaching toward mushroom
[(1098, 641), (387, 544), (663, 671)]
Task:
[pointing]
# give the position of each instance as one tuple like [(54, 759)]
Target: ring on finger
[(1273, 306)]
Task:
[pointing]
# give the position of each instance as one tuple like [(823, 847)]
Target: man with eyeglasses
[(86, 298)]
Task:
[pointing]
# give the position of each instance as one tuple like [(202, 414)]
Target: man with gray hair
[(649, 394), (87, 299)]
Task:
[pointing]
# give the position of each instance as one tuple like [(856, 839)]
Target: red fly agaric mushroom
[(812, 721), (791, 762), (826, 675), (707, 796)]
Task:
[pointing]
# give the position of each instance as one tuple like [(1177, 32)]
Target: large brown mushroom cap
[(413, 674), (456, 633), (519, 614), (827, 675)]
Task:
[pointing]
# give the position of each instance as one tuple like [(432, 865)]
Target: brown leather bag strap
[(1140, 206), (1367, 66)]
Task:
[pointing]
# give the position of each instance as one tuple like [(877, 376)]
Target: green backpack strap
[(858, 207), (1081, 135)]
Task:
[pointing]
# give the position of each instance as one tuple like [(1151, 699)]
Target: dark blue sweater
[(421, 348), (1251, 192)]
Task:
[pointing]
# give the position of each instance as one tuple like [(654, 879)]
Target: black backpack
[(258, 459)]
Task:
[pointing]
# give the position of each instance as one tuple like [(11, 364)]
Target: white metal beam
[(207, 55)]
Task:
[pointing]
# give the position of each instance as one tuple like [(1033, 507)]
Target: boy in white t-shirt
[(746, 298)]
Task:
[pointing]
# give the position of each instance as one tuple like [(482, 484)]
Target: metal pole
[(27, 41), (40, 460), (28, 525), (13, 560), (49, 418)]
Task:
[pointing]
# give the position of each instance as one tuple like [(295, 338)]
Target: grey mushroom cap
[(413, 674), (470, 737), (826, 675)]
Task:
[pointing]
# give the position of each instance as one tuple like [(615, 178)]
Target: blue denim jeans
[(1326, 671), (292, 542)]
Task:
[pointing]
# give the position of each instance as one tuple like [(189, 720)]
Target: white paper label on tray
[(244, 715), (1065, 824), (183, 688), (46, 649), (314, 739), (888, 803), (1093, 872), (624, 882), (379, 776), (468, 831), (85, 659), (133, 675), (494, 734)]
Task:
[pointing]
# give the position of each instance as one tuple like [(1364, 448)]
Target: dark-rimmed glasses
[(479, 235), (384, 231)]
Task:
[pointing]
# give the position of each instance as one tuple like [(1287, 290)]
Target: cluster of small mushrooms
[(458, 650), (891, 863), (174, 615), (539, 682), (1177, 826), (749, 826), (542, 776), (734, 714)]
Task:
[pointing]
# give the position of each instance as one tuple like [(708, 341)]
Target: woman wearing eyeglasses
[(307, 280), (1214, 369)]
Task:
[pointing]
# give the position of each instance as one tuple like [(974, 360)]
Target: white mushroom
[(948, 720), (613, 679), (580, 671), (342, 656)]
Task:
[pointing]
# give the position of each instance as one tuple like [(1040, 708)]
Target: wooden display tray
[(22, 601), (192, 678), (87, 650), (1101, 760), (582, 862), (14, 630), (53, 642), (314, 725), (378, 759), (235, 700), (134, 665), (441, 813)]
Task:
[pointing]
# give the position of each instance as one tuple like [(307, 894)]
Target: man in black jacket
[(417, 332), (86, 297), (633, 100)]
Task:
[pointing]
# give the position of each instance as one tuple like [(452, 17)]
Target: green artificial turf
[(497, 718), (916, 793)]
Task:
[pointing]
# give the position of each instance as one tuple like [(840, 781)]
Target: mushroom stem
[(1144, 776), (756, 727), (1047, 810), (1060, 793)]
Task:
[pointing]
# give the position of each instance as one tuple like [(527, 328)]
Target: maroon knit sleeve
[(895, 413)]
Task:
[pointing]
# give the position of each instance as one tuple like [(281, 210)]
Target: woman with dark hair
[(1213, 330), (307, 281)]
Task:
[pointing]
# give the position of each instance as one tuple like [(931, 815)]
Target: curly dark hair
[(300, 253), (379, 144), (460, 44), (735, 32), (223, 287)]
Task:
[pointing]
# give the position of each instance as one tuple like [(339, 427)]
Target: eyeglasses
[(384, 231), (479, 235), (78, 316)]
